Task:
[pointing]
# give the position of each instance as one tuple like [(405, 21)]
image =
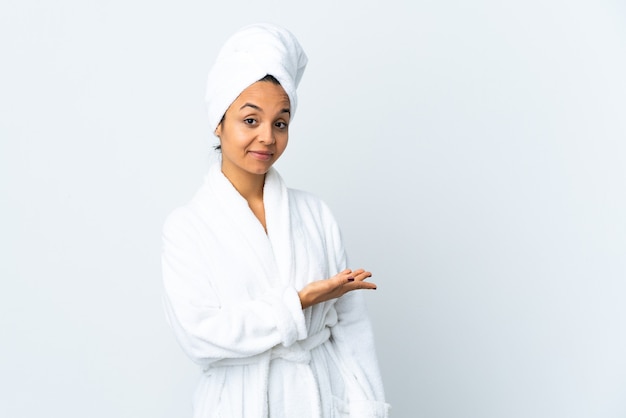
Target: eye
[(249, 121), (280, 125)]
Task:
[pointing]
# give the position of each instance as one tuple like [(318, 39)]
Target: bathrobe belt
[(298, 352)]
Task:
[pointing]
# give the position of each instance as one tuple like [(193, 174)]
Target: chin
[(261, 170)]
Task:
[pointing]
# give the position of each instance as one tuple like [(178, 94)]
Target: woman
[(257, 288)]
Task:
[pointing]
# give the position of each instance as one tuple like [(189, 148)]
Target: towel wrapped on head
[(249, 55)]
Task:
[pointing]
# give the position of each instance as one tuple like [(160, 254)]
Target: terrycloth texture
[(249, 55), (231, 299)]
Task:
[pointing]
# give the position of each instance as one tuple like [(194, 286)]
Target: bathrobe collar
[(274, 250)]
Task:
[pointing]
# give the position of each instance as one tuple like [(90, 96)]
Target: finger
[(357, 285), (343, 278), (347, 279), (346, 276), (361, 275)]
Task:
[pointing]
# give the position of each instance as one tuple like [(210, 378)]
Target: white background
[(473, 152)]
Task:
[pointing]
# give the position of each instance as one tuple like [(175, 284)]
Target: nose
[(266, 134)]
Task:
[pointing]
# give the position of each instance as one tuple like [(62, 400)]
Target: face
[(254, 131)]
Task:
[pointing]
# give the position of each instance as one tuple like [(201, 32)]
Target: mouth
[(261, 155)]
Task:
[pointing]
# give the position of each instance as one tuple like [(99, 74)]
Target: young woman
[(257, 287)]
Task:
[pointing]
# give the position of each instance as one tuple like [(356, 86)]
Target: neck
[(249, 186)]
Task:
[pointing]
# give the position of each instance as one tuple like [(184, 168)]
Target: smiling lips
[(261, 155)]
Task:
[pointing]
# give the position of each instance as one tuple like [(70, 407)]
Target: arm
[(206, 330), (354, 341)]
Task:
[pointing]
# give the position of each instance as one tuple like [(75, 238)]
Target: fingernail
[(350, 279)]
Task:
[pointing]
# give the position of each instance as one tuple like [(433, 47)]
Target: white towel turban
[(249, 55)]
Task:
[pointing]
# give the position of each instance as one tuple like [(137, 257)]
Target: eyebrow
[(285, 110)]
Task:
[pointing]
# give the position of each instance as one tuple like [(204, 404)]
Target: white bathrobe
[(231, 297)]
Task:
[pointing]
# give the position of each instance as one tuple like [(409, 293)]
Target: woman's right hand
[(337, 286)]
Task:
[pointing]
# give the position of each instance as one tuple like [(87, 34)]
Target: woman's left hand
[(334, 287)]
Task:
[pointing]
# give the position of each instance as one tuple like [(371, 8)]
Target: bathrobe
[(231, 298)]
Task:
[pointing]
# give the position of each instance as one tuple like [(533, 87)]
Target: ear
[(218, 130)]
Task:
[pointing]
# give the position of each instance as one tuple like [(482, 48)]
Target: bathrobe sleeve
[(354, 340), (207, 331)]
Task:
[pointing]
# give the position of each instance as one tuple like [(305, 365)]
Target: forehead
[(264, 94)]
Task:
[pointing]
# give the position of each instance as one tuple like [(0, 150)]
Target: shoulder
[(308, 201), (312, 210), (182, 221), (193, 214), (315, 217)]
